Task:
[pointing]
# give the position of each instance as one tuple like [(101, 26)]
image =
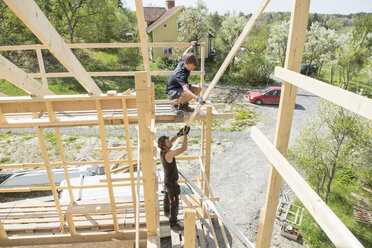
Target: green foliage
[(256, 68), (333, 147), (242, 118), (278, 41), (160, 91), (4, 160), (70, 139), (193, 24), (51, 137), (10, 89), (169, 63)]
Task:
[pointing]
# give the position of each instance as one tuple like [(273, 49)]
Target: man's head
[(164, 143), (191, 61)]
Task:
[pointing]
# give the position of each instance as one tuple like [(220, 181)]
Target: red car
[(270, 95)]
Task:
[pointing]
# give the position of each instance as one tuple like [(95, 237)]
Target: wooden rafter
[(19, 78), (36, 21)]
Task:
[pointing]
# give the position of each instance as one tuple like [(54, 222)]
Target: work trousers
[(172, 191)]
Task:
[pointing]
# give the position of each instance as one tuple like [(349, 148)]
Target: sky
[(249, 6)]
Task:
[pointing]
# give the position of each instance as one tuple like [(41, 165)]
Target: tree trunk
[(330, 182)]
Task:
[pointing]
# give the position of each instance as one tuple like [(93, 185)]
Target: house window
[(167, 51), (178, 25)]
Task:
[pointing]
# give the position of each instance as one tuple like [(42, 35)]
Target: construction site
[(129, 212)]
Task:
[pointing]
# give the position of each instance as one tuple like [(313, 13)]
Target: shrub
[(256, 68), (169, 63)]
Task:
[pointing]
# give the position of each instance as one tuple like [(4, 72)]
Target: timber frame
[(139, 220)]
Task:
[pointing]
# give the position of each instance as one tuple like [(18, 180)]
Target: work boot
[(176, 109), (177, 228), (185, 107)]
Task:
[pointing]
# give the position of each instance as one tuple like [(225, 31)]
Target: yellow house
[(163, 26)]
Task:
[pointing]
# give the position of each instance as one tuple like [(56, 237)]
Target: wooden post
[(208, 149), (107, 164), (3, 234), (129, 152), (293, 62), (2, 117), (202, 69), (202, 155), (190, 219), (52, 118), (143, 35), (50, 176), (41, 67), (146, 152)]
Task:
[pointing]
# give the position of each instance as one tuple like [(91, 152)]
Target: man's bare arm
[(171, 154), (188, 50)]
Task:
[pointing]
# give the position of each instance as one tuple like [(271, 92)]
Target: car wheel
[(258, 102)]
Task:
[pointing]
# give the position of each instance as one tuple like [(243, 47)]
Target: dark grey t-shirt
[(170, 169), (179, 76)]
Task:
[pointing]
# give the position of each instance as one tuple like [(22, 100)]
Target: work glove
[(183, 131), (195, 43), (200, 100)]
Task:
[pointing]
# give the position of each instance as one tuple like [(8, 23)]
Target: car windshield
[(264, 91)]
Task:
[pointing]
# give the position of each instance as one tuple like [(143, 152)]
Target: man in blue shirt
[(178, 87)]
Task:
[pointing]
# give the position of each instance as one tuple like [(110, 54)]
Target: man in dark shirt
[(168, 159), (178, 87)]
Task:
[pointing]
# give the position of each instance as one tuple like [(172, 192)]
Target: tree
[(278, 38), (231, 28), (215, 21), (193, 23), (335, 139)]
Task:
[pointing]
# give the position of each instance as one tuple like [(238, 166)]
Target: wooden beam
[(50, 176), (146, 152), (100, 45), (3, 95), (19, 78), (208, 149), (143, 35), (202, 69), (36, 21), (346, 99), (41, 67), (330, 223), (3, 234), (107, 164), (129, 152), (295, 48), (2, 117)]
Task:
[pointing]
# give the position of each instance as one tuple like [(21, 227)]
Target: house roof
[(169, 13), (153, 13)]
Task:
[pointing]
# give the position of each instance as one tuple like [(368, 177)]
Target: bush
[(169, 63), (255, 68)]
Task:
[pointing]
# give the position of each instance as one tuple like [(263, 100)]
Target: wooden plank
[(129, 151), (143, 35), (146, 142), (41, 67), (208, 149), (107, 164), (330, 223), (105, 244), (3, 95), (99, 45), (19, 78), (2, 116), (202, 69), (200, 232), (295, 47), (50, 176), (189, 233), (66, 238), (36, 21), (176, 242), (346, 99), (3, 234), (208, 234)]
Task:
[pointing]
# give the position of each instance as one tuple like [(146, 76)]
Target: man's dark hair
[(191, 58), (161, 142)]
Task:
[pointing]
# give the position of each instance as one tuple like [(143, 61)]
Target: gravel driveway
[(240, 174)]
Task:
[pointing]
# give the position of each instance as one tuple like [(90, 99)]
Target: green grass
[(4, 160), (10, 89), (341, 203)]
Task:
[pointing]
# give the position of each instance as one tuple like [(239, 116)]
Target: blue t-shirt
[(179, 77)]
